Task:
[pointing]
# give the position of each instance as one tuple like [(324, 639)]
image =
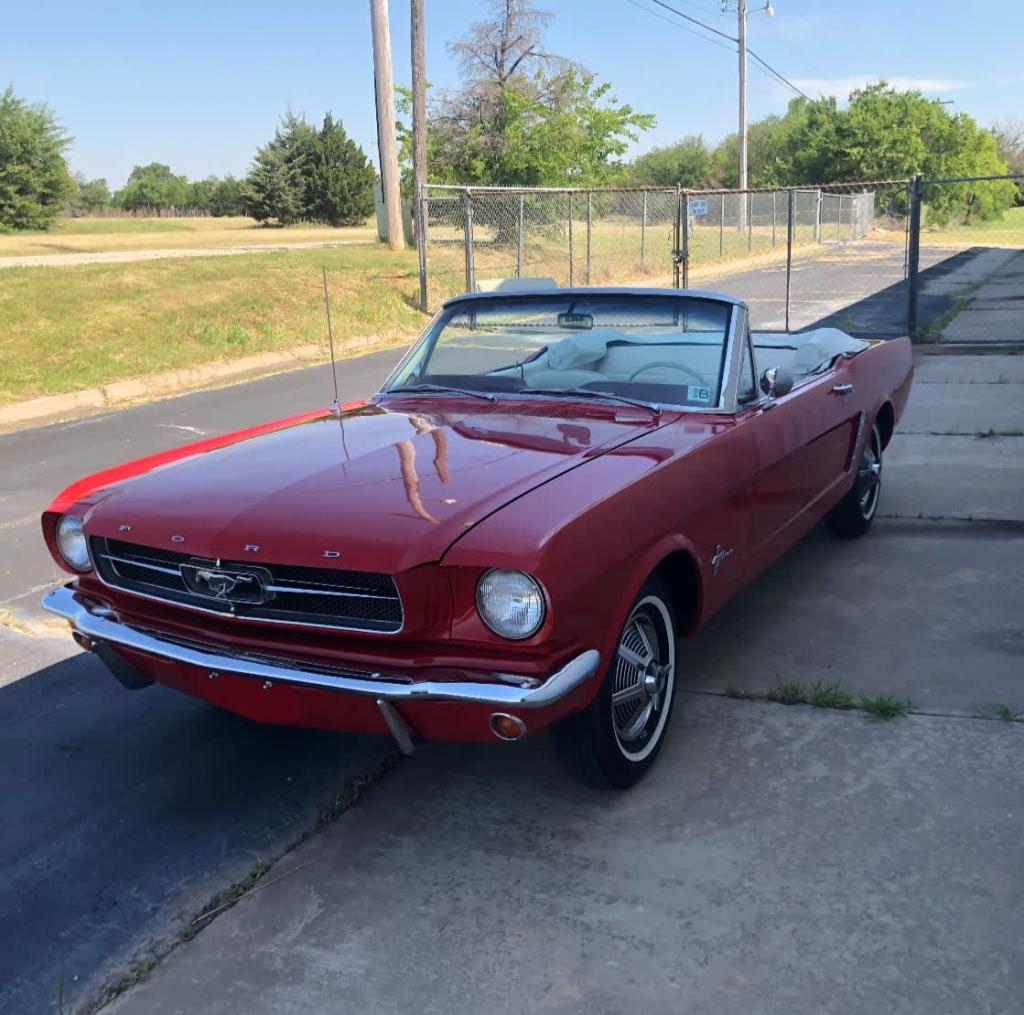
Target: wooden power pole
[(387, 146), (419, 140)]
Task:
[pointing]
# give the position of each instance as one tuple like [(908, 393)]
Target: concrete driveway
[(779, 859)]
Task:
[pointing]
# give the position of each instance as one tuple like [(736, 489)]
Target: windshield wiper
[(411, 388), (590, 393)]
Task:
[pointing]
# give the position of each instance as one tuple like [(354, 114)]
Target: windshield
[(658, 348)]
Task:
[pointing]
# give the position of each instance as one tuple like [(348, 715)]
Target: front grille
[(353, 600)]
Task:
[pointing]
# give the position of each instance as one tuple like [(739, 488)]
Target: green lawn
[(95, 235), (67, 328)]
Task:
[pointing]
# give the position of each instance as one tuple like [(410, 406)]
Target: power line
[(764, 63), (784, 80), (675, 24)]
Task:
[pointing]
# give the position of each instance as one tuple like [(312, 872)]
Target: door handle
[(841, 389)]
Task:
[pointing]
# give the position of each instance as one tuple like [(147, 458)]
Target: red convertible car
[(551, 489)]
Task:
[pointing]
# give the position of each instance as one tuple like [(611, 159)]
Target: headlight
[(510, 603), (71, 542)]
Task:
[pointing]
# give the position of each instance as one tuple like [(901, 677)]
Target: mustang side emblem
[(205, 579), (718, 557)]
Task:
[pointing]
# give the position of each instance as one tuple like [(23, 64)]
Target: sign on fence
[(698, 206)]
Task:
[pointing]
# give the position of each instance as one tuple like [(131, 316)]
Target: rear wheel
[(853, 515), (615, 740)]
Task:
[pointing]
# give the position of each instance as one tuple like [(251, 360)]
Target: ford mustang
[(551, 490)]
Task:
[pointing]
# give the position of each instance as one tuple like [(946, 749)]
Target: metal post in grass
[(750, 221), (519, 238), (773, 219), (913, 253), (643, 231), (421, 242), (839, 220), (791, 204), (570, 240), (467, 227), (817, 217), (721, 226), (590, 230)]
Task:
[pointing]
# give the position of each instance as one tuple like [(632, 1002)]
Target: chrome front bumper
[(501, 690)]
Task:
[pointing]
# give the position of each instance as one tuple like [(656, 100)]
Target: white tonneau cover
[(806, 351)]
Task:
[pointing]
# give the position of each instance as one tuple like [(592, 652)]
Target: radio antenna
[(336, 407)]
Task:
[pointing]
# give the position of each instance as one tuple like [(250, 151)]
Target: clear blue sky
[(199, 85)]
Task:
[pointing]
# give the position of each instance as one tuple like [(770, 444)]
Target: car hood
[(382, 489)]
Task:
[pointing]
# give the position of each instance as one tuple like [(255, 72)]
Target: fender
[(641, 567)]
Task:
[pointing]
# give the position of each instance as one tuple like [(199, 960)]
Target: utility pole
[(387, 146), (419, 140), (741, 44), (741, 10)]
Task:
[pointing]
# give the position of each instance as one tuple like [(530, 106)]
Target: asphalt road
[(38, 463)]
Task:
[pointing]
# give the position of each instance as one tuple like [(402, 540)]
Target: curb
[(171, 382)]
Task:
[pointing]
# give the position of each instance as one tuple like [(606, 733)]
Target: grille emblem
[(242, 586)]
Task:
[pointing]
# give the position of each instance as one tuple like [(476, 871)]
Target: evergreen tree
[(34, 180), (276, 187), (339, 189)]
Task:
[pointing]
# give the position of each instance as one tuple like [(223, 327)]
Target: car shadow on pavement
[(124, 811)]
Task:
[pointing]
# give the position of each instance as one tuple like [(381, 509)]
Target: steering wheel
[(672, 366)]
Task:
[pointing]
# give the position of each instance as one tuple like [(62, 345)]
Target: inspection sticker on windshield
[(695, 393)]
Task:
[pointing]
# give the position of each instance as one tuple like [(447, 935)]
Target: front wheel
[(613, 742), (853, 515)]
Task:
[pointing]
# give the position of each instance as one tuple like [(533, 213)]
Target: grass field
[(67, 328), (93, 235)]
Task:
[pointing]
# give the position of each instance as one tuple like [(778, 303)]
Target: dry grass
[(1007, 231), (67, 328), (93, 235)]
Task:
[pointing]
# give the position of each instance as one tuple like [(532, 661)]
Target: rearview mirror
[(776, 382)]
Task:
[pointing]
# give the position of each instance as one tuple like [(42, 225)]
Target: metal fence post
[(519, 240), (643, 232), (685, 251), (590, 229), (773, 219), (839, 221), (467, 226), (913, 253), (570, 241), (677, 238), (817, 217), (750, 221), (721, 226), (789, 249), (421, 242)]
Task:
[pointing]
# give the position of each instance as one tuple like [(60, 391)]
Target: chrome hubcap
[(640, 679), (869, 477)]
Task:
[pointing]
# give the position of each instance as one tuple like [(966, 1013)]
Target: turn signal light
[(507, 727)]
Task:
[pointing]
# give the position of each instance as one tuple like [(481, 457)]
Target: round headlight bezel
[(70, 536), (489, 617)]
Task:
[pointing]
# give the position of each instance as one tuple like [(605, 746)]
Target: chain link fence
[(837, 255)]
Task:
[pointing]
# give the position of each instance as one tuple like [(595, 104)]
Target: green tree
[(275, 189), (228, 198), (89, 195), (34, 180), (154, 188), (522, 115), (201, 194), (339, 188), (686, 163)]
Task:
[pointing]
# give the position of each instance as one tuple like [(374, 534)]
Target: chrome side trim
[(515, 691), (856, 442)]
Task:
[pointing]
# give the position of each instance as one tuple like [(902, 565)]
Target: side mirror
[(776, 382)]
